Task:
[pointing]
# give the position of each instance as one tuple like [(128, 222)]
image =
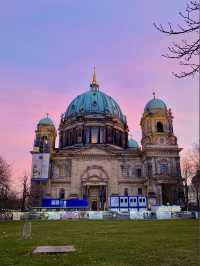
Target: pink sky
[(47, 55)]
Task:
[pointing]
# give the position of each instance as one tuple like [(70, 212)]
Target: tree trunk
[(197, 199), (186, 196)]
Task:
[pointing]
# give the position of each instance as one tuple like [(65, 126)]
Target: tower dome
[(45, 135), (132, 144), (155, 103), (46, 121)]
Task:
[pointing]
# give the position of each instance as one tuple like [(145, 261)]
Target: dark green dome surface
[(94, 102)]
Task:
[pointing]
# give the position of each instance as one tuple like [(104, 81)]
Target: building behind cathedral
[(96, 158)]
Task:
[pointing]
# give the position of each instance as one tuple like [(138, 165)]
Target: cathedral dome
[(46, 121), (94, 102), (93, 118), (132, 144), (155, 104)]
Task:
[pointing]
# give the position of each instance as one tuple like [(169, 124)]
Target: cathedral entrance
[(94, 183), (93, 198), (96, 196), (94, 205)]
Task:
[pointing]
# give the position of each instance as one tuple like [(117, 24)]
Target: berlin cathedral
[(96, 159)]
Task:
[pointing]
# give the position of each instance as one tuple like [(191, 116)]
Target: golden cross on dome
[(94, 80), (94, 85), (154, 95), (47, 115)]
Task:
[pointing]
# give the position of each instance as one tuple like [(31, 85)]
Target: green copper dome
[(132, 144), (155, 104), (46, 121), (94, 102)]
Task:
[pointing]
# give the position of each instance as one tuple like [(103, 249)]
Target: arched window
[(149, 170), (139, 172), (163, 168), (159, 127), (45, 139), (62, 193), (62, 171), (128, 170), (94, 135)]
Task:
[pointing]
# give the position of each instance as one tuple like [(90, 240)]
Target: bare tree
[(196, 185), (25, 192), (5, 173), (189, 166), (187, 51), (187, 174)]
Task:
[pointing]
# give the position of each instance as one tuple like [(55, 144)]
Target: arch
[(95, 186), (94, 170)]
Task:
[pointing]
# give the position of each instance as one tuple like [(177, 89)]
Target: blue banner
[(59, 203)]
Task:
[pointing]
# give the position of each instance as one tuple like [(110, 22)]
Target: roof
[(46, 121), (155, 104), (94, 102), (132, 144)]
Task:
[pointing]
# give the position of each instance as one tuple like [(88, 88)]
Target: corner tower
[(157, 124), (45, 136), (44, 144), (161, 154)]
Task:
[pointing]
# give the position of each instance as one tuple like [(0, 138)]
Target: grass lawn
[(103, 243)]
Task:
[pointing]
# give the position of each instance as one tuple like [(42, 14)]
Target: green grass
[(103, 243)]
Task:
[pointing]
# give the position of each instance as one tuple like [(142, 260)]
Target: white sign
[(40, 165), (163, 215), (53, 215), (137, 215), (95, 215), (70, 216), (17, 216), (165, 212), (163, 208)]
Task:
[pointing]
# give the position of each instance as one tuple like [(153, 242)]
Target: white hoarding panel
[(114, 202), (53, 215), (40, 166), (137, 215), (163, 215), (95, 215)]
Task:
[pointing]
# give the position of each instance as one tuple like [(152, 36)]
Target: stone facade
[(95, 159)]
